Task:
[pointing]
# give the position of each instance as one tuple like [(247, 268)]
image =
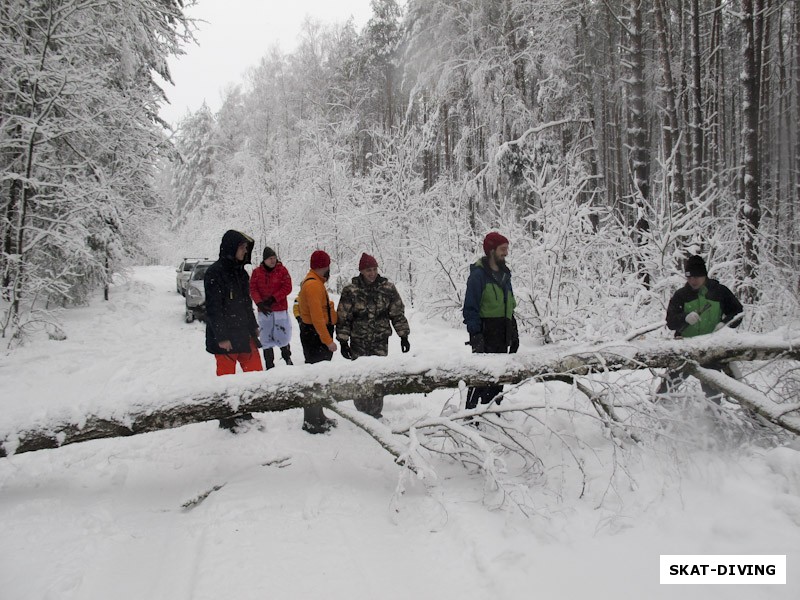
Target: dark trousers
[(358, 347), (494, 343), (269, 356), (673, 379), (314, 351), (483, 394)]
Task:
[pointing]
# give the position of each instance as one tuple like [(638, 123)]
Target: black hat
[(695, 267), (268, 252)]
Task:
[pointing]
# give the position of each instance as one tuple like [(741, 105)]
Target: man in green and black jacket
[(703, 305), (489, 311), (700, 307)]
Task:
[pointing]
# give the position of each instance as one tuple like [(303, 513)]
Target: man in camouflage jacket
[(366, 307)]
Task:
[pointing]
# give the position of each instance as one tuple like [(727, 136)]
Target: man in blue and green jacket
[(489, 311), (700, 307)]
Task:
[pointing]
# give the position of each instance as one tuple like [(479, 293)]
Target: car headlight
[(194, 293)]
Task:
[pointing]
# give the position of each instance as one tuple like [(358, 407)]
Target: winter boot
[(235, 424), (286, 354), (372, 407), (315, 421), (269, 358)]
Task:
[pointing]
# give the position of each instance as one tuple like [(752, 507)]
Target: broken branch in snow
[(750, 398), (194, 502), (403, 453)]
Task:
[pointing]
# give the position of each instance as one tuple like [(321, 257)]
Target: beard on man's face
[(327, 274)]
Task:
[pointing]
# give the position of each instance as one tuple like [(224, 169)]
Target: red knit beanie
[(320, 259), (366, 262), (492, 241)]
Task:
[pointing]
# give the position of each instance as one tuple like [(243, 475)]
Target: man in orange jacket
[(317, 318)]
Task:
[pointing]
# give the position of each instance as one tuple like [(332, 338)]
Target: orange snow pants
[(250, 361)]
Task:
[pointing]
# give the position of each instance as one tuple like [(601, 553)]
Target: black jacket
[(229, 309), (716, 293)]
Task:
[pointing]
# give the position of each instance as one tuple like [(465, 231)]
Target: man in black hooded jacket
[(231, 327)]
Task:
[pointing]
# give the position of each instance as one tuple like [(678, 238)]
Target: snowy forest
[(600, 137), (607, 140)]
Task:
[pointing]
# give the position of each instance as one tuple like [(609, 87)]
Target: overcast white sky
[(237, 33)]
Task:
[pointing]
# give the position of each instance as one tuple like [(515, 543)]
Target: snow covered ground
[(290, 515)]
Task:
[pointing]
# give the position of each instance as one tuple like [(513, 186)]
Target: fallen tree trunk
[(336, 382)]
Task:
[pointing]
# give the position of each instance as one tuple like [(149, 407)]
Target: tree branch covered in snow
[(349, 382), (779, 414)]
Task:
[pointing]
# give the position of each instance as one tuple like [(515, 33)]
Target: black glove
[(269, 301), (477, 343), (405, 346), (265, 307), (512, 334), (345, 349)]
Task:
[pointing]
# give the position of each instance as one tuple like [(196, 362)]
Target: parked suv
[(196, 292), (182, 273)]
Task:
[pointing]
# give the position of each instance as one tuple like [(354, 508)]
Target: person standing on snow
[(231, 328), (368, 304), (270, 285), (489, 305), (700, 307), (317, 320)]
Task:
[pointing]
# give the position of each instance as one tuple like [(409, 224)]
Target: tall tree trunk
[(717, 154), (783, 135), (750, 207), (671, 129), (697, 132), (795, 243), (637, 128)]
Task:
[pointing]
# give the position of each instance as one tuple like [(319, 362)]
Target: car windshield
[(199, 272)]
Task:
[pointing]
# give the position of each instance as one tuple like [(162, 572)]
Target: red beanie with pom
[(366, 262), (320, 259), (492, 241)]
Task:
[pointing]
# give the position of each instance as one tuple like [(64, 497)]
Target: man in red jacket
[(270, 285)]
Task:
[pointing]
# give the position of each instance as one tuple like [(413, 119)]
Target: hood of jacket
[(230, 242)]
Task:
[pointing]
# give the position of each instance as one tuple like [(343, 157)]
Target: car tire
[(189, 317)]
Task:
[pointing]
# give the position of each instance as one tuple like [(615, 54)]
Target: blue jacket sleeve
[(472, 302)]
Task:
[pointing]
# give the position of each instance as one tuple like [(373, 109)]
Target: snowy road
[(301, 516)]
